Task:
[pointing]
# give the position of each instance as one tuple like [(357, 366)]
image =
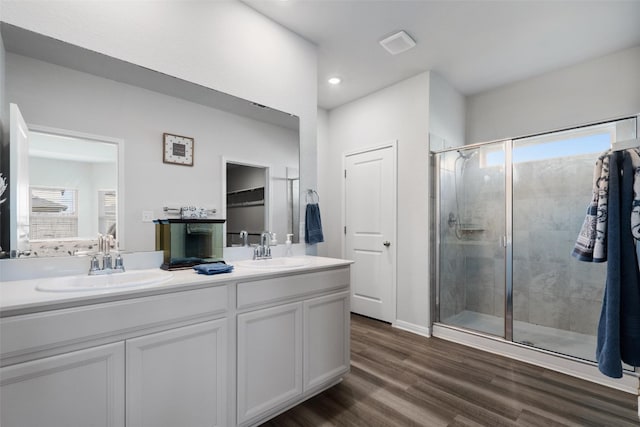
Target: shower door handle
[(387, 243)]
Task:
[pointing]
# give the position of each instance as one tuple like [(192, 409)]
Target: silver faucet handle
[(95, 265), (119, 263), (106, 262)]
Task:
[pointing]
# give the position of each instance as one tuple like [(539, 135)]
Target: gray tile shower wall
[(551, 288)]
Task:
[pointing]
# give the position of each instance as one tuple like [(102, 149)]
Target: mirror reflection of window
[(107, 209), (54, 213)]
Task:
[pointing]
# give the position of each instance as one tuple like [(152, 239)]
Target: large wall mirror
[(61, 86)]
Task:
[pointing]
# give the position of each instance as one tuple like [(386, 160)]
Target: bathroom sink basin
[(85, 282), (273, 263)]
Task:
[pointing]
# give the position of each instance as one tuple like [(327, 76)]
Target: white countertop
[(21, 296)]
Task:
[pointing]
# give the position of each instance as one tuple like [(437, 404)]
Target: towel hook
[(311, 194)]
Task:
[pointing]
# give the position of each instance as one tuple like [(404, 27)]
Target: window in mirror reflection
[(107, 212), (53, 213), (73, 185)]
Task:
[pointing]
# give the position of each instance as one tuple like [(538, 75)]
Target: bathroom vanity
[(196, 350)]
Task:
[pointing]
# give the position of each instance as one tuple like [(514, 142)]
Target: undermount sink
[(273, 263), (85, 282)]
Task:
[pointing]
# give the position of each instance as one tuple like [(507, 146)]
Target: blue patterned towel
[(591, 245), (213, 268)]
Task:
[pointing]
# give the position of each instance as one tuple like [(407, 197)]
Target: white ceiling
[(475, 45), (57, 147)]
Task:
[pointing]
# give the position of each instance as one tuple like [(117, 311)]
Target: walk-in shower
[(507, 215)]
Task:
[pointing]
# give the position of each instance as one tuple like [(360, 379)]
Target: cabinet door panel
[(269, 359), (178, 377), (326, 338), (81, 388)]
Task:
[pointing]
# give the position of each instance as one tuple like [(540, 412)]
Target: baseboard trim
[(412, 327)]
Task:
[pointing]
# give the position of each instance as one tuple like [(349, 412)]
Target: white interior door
[(18, 180), (370, 233)]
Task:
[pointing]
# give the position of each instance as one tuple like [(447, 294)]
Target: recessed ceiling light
[(334, 80)]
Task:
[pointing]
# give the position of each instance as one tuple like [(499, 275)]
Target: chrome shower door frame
[(506, 240)]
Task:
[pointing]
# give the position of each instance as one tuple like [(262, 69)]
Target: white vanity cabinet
[(295, 346), (178, 377), (225, 350), (80, 388), (326, 339), (164, 364), (269, 359)]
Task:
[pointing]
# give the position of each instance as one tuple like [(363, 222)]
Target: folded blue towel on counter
[(213, 268)]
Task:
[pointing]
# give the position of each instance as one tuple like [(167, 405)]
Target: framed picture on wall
[(177, 149)]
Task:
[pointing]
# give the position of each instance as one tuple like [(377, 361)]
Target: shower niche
[(506, 217)]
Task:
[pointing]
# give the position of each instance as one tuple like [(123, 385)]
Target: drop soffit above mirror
[(28, 43)]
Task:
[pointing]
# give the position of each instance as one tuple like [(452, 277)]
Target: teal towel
[(213, 268), (313, 224)]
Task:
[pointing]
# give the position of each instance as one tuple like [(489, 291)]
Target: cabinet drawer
[(260, 292), (47, 330)]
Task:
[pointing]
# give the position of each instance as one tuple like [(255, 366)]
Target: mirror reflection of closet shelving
[(243, 198), (246, 207), (245, 212)]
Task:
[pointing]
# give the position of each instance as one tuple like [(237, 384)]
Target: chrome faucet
[(104, 247), (263, 250), (245, 238)]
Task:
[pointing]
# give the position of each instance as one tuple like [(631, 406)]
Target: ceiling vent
[(398, 43)]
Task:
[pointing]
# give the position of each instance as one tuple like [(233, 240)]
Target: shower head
[(466, 156)]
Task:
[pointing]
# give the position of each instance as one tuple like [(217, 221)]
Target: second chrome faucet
[(104, 247), (263, 250)]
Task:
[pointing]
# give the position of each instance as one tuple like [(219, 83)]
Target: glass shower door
[(556, 298), (471, 211)]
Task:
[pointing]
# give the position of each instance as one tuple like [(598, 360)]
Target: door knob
[(387, 243)]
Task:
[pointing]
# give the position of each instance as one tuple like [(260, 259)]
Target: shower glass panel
[(556, 298), (471, 187)]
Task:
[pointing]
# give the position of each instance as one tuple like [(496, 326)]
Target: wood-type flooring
[(401, 379)]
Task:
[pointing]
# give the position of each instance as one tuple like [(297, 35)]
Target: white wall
[(446, 114), (331, 245), (399, 112), (4, 148), (4, 106), (602, 88), (54, 96), (224, 45)]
